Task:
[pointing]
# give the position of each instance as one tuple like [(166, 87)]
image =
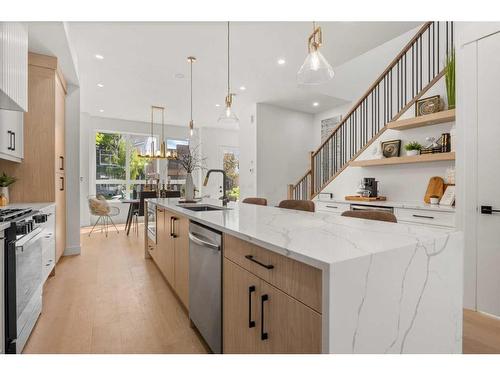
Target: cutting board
[(435, 187), (364, 199)]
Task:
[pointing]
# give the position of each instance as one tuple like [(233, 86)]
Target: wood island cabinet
[(171, 253), (259, 317)]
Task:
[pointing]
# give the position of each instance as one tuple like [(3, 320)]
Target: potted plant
[(5, 182), (450, 79), (413, 148), (191, 161)]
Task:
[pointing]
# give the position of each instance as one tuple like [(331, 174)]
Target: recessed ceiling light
[(217, 105), (179, 75), (99, 57), (243, 88), (101, 110), (315, 104), (281, 61), (100, 85)]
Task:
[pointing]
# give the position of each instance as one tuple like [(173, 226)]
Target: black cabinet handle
[(267, 266), (62, 183), (488, 210), (10, 140), (13, 141), (251, 323), (263, 335), (424, 217), (332, 206), (172, 227), (61, 167)]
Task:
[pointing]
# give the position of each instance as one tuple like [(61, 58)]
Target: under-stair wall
[(410, 75)]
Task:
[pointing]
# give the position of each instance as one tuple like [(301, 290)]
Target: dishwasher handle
[(199, 241)]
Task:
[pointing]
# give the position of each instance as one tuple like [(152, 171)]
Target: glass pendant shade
[(228, 117), (315, 70)]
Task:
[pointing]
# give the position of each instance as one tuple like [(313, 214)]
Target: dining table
[(133, 205)]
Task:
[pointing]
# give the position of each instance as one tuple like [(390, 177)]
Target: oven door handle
[(28, 238)]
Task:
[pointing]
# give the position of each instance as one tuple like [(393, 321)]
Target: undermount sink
[(201, 207)]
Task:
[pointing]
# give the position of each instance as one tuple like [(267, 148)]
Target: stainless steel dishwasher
[(205, 283)]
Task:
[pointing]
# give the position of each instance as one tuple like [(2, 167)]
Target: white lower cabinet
[(425, 217), (332, 207), (48, 243)]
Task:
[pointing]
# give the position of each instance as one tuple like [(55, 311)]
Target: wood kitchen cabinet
[(42, 175), (171, 253), (281, 322)]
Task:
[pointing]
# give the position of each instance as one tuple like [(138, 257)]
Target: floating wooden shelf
[(404, 160), (426, 120)]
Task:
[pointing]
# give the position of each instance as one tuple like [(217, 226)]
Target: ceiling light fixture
[(99, 57), (228, 117), (243, 88), (162, 152), (100, 85), (316, 69), (101, 110), (217, 105), (191, 60), (281, 62), (315, 104)]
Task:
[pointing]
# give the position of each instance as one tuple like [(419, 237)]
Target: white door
[(488, 174)]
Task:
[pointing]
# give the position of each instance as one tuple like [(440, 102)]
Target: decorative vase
[(4, 192), (189, 189), (412, 153)]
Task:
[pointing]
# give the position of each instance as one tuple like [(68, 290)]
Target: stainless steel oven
[(151, 221)]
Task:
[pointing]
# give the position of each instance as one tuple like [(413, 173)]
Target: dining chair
[(100, 207), (139, 211), (372, 215), (296, 204), (255, 200)]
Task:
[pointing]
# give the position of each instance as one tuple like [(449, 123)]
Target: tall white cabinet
[(478, 164), (13, 88)]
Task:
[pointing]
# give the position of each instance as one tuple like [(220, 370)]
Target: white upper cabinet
[(13, 66), (11, 135)]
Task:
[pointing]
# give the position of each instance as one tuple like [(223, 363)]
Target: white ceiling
[(141, 61)]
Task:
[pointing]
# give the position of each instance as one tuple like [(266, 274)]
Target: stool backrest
[(255, 200), (296, 204), (372, 215), (145, 195)]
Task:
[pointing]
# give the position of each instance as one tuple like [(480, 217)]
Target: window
[(118, 168), (231, 165)]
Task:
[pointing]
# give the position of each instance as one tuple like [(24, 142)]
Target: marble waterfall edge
[(407, 300)]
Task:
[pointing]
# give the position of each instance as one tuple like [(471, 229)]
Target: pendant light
[(162, 152), (228, 117), (316, 69), (191, 60)]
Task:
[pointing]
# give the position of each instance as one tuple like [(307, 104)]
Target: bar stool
[(372, 215), (255, 200), (296, 204)]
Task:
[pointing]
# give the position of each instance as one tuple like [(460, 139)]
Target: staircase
[(407, 78)]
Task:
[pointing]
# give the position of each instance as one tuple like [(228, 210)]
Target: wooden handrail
[(374, 85)]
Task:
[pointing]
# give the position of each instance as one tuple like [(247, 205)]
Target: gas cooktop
[(11, 214)]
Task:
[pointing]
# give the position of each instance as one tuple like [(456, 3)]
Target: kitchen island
[(383, 287)]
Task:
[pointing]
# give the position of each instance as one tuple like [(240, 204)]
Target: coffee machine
[(368, 187)]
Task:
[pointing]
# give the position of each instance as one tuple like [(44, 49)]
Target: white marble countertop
[(318, 239), (395, 204)]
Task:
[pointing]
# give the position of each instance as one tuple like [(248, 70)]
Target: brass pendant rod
[(228, 63)]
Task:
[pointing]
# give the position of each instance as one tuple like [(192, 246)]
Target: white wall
[(248, 151), (213, 142), (72, 162), (284, 140)]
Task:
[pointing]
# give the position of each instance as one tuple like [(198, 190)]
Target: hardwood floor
[(481, 333), (110, 299)]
